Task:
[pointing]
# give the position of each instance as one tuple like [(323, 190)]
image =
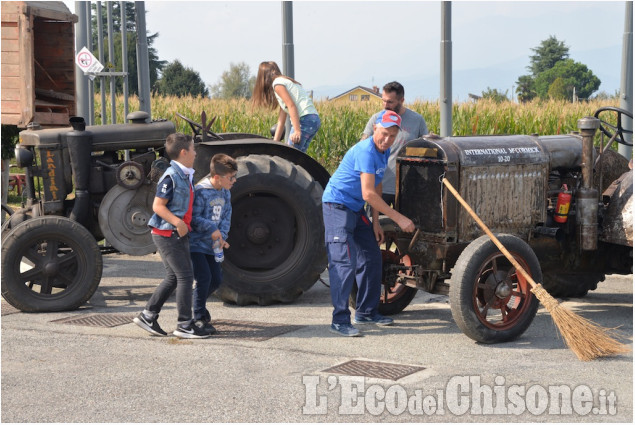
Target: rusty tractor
[(514, 184)]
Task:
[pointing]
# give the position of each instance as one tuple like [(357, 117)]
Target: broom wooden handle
[(489, 233)]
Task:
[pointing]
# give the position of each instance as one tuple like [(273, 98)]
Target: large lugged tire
[(571, 284), (49, 264), (491, 302), (277, 235)]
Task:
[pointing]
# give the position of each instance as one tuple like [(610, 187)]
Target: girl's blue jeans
[(309, 126)]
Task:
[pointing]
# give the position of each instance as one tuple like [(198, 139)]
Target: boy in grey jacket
[(211, 218)]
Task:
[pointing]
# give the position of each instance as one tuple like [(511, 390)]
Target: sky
[(342, 44)]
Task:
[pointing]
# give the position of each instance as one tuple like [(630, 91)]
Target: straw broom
[(585, 338)]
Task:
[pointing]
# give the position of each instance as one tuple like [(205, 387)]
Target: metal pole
[(446, 69), (100, 44), (626, 85), (111, 59), (90, 120), (288, 67), (81, 81), (143, 62), (124, 58), (287, 39)]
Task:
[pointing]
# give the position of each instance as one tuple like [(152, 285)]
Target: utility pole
[(288, 67), (143, 62), (445, 98), (626, 85), (81, 40)]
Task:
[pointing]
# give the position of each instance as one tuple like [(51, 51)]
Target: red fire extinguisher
[(562, 206)]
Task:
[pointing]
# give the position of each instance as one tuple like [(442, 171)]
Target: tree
[(235, 83), (116, 18), (554, 74), (525, 88), (115, 64), (495, 95), (547, 55), (177, 80), (9, 140), (155, 65), (603, 95), (571, 74), (559, 90)]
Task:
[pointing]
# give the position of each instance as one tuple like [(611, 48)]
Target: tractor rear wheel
[(395, 296), (277, 235), (49, 264), (571, 284)]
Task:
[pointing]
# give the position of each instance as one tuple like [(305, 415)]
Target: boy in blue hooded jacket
[(211, 219)]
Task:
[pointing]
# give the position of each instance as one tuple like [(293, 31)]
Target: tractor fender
[(256, 146), (617, 226)]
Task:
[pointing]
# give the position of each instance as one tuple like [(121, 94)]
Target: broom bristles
[(586, 339)]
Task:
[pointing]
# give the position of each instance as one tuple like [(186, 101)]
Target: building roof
[(366, 89)]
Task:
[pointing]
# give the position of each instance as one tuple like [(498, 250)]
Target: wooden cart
[(38, 63)]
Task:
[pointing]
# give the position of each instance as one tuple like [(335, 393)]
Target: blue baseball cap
[(388, 118)]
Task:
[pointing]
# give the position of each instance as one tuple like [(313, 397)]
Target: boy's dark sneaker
[(151, 326), (377, 319), (190, 331), (206, 326)]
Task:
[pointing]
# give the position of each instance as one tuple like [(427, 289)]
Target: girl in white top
[(273, 89)]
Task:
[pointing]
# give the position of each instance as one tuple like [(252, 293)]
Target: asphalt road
[(269, 364)]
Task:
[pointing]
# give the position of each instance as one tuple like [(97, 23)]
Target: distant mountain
[(605, 64)]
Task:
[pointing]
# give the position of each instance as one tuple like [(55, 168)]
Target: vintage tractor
[(562, 209), (89, 191)]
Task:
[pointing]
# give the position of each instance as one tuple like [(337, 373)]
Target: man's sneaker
[(376, 319), (151, 326), (206, 326), (344, 329), (190, 332)]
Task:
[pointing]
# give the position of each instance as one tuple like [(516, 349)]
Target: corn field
[(343, 123)]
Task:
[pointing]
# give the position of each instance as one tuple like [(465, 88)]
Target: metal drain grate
[(370, 369), (255, 331), (97, 320)]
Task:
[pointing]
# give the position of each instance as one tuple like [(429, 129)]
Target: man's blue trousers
[(354, 258)]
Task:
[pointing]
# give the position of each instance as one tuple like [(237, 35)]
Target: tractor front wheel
[(490, 300), (49, 264)]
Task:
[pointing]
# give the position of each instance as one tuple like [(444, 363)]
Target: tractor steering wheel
[(615, 131), (199, 129)]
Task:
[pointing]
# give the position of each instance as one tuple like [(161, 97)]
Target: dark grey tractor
[(89, 191)]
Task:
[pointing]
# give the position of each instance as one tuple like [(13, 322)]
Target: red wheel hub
[(501, 295)]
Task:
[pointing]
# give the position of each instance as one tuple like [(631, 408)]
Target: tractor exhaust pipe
[(587, 197), (79, 142), (552, 232)]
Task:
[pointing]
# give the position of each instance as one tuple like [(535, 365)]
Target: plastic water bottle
[(219, 255)]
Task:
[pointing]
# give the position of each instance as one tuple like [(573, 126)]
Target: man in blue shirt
[(352, 242)]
